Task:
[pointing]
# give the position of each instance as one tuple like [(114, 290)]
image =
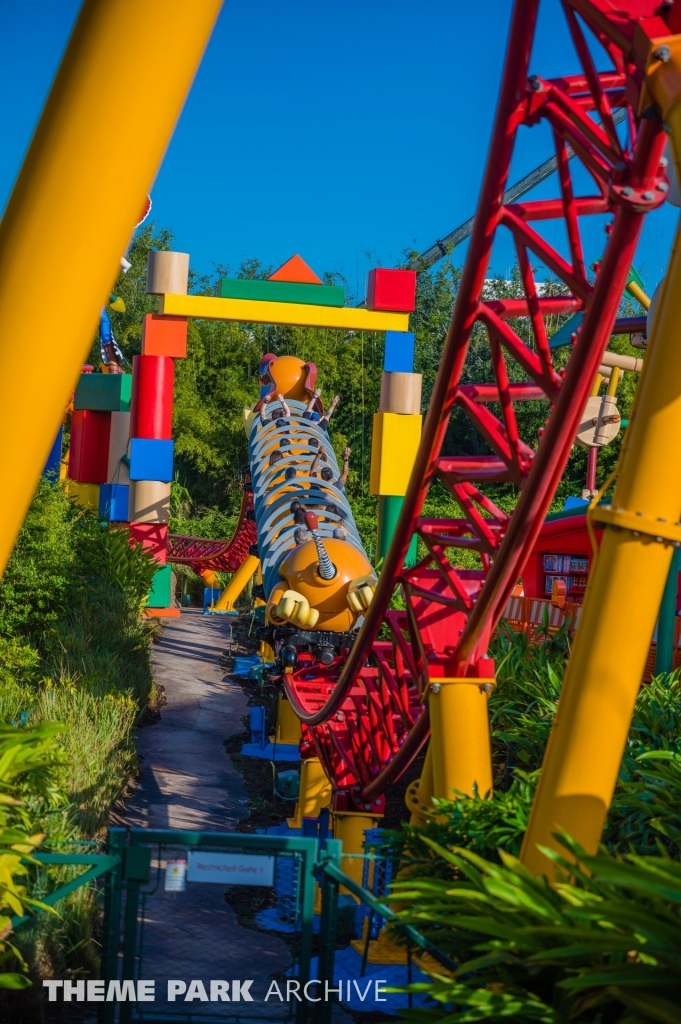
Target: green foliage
[(643, 817), (484, 824), (70, 601), (27, 762), (63, 559), (604, 945), (74, 663)]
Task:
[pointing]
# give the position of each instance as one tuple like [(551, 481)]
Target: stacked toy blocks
[(99, 437), (164, 339), (396, 433), (293, 282)]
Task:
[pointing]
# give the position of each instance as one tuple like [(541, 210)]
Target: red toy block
[(151, 403), (392, 290), (164, 336), (89, 448), (153, 537), (296, 271)]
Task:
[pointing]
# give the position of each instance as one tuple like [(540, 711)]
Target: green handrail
[(383, 910), (100, 864)]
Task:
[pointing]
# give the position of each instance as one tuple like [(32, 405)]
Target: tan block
[(149, 501), (401, 393), (118, 472), (167, 272)]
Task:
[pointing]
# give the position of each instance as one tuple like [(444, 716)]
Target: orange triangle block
[(295, 271)]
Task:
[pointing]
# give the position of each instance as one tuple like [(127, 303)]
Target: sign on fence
[(175, 877), (230, 868)]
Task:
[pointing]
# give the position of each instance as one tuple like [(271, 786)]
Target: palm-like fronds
[(604, 945)]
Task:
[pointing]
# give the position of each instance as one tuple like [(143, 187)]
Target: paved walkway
[(188, 782)]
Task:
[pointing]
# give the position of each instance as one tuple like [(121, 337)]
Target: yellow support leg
[(237, 584), (71, 178), (459, 723), (608, 657), (288, 726), (349, 827), (315, 792), (419, 795)]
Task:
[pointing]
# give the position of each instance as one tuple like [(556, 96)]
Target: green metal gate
[(138, 878)]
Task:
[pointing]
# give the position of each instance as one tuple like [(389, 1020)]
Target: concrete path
[(187, 779), (188, 782)]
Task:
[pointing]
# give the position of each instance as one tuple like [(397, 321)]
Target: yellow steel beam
[(638, 294), (78, 196), (237, 584), (292, 314), (459, 738), (603, 677)]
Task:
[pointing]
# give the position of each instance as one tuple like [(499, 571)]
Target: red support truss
[(219, 555), (366, 717)]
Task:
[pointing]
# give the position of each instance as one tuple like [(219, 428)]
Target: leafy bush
[(27, 761), (75, 664), (604, 945)]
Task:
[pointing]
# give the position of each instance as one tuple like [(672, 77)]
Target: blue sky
[(345, 132)]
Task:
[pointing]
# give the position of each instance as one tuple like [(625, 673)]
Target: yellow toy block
[(394, 446), (86, 495), (249, 418), (292, 314)]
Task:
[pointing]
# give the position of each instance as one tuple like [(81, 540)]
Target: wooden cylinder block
[(149, 501), (167, 272), (151, 403), (401, 393)]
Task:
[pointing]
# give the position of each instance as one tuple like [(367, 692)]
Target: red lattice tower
[(367, 717)]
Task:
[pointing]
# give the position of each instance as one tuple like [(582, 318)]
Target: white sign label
[(230, 868), (176, 873)]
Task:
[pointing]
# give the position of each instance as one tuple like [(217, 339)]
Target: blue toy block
[(53, 464), (113, 502), (210, 596), (272, 752), (399, 352), (257, 726), (572, 502), (151, 459), (244, 664)]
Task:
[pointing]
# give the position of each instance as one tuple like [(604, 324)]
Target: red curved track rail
[(366, 717), (219, 555)]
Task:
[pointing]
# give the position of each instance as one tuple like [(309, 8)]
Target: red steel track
[(219, 555), (366, 718)]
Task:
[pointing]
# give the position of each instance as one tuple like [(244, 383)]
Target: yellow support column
[(606, 664), (349, 827), (419, 795), (72, 177), (288, 726), (237, 584), (315, 792), (459, 723)]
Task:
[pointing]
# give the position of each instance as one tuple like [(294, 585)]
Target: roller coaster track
[(366, 716), (219, 555)]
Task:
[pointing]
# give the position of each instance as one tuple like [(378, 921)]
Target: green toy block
[(563, 335), (282, 291), (636, 278), (159, 595), (103, 392)]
